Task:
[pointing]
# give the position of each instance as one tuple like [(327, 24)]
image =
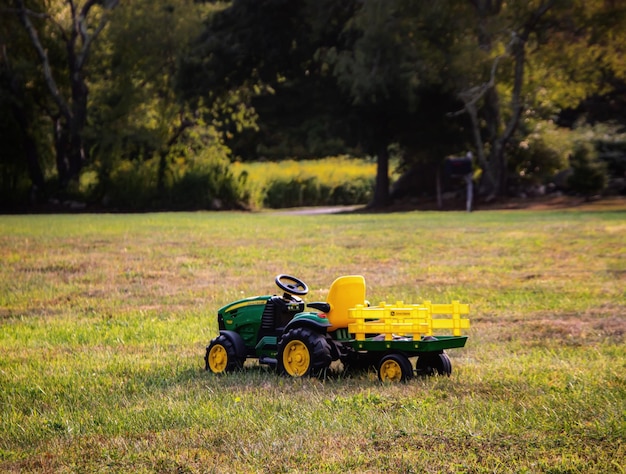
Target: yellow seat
[(346, 292)]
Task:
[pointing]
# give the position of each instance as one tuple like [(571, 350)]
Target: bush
[(539, 155), (589, 174), (357, 191), (208, 180), (132, 185), (292, 191), (208, 183), (297, 192), (328, 181), (204, 181)]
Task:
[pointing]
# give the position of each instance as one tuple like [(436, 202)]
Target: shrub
[(289, 183), (589, 175), (132, 185), (539, 154), (208, 180), (208, 183), (291, 192), (357, 191), (204, 181)]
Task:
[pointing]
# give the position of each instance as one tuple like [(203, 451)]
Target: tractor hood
[(244, 303)]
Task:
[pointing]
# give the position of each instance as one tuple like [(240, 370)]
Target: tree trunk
[(77, 155), (28, 142), (69, 127), (61, 145), (381, 191), (32, 157), (185, 123), (489, 181), (495, 165)]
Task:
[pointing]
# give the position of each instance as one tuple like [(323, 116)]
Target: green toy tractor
[(299, 338)]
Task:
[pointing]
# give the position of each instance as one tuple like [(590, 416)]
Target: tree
[(532, 59), (393, 66), (78, 26), (321, 60), (491, 18), (284, 78), (137, 115), (20, 126), (368, 69), (263, 54), (141, 128)]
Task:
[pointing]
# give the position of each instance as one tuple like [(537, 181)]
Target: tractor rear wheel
[(395, 368), (302, 351), (433, 363), (221, 356)]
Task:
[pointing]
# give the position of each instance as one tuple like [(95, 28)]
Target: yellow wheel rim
[(296, 358), (218, 358), (390, 371)]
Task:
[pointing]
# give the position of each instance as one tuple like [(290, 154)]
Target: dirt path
[(302, 211), (612, 203)]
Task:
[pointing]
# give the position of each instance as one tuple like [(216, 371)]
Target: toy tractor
[(299, 338)]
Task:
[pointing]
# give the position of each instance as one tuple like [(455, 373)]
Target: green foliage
[(206, 179), (140, 130), (542, 153), (135, 111), (13, 173), (25, 129), (308, 78), (595, 154), (15, 186), (312, 191), (289, 183), (207, 183), (609, 140), (132, 185), (589, 175)]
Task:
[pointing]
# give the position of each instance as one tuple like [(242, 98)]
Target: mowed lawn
[(104, 320)]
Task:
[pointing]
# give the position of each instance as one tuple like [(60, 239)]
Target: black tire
[(358, 363), (433, 364), (303, 352), (395, 368), (221, 356)]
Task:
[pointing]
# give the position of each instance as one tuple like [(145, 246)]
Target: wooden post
[(469, 184)]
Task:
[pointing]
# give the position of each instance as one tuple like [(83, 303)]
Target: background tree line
[(147, 104)]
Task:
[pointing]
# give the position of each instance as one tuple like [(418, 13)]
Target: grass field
[(104, 320)]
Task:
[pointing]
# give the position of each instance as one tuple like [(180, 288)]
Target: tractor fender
[(310, 320), (237, 341)]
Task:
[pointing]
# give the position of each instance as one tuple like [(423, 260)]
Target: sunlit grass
[(334, 170), (104, 320), (291, 183)]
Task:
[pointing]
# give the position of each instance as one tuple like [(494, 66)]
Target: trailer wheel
[(433, 363), (221, 356), (302, 351), (394, 368)]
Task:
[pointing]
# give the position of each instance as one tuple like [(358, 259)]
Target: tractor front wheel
[(302, 351), (395, 368), (221, 356)]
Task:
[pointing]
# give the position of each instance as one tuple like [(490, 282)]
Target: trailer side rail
[(412, 320)]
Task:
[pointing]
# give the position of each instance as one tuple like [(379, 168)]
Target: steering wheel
[(291, 285)]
